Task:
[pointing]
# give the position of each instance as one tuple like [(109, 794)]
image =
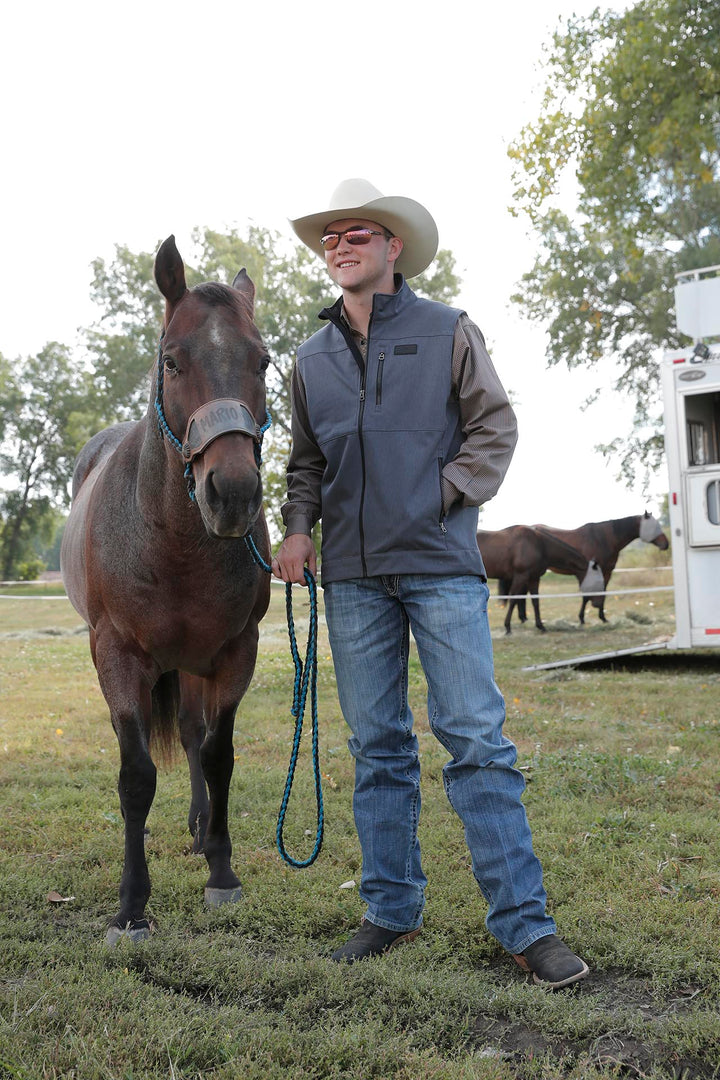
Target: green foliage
[(631, 108), (7, 393), (46, 422), (122, 346)]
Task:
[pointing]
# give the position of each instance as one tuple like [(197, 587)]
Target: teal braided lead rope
[(258, 445), (305, 682)]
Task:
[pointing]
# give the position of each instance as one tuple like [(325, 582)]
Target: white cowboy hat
[(403, 217)]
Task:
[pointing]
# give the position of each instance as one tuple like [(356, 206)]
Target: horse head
[(211, 387), (651, 532)]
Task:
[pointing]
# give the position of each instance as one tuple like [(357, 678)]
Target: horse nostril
[(225, 492), (211, 490)]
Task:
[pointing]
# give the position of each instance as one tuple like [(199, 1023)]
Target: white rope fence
[(587, 595), (610, 592), (62, 596), (503, 596)]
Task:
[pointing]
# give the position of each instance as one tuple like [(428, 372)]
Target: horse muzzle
[(228, 487)]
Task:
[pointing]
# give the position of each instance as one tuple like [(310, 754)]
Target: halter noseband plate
[(216, 418)]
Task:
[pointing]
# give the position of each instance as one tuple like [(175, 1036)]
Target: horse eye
[(264, 364), (170, 364)]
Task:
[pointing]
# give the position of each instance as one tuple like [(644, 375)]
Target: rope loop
[(305, 683)]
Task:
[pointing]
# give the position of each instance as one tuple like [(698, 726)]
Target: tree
[(122, 346), (292, 287), (7, 394), (632, 108), (46, 424)]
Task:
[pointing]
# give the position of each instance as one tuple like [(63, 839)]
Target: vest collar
[(385, 305)]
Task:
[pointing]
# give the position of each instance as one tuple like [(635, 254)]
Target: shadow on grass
[(661, 663)]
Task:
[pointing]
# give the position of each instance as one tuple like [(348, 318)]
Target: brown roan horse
[(603, 541), (519, 556), (166, 583)]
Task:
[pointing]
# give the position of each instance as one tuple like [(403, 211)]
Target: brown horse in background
[(519, 556), (603, 541), (165, 582)]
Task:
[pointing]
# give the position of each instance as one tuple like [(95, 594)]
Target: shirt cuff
[(450, 494), (297, 522)]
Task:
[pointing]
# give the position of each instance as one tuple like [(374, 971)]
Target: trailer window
[(702, 420), (712, 496), (697, 443)]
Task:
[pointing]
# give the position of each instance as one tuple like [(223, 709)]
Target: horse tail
[(165, 706), (504, 589)]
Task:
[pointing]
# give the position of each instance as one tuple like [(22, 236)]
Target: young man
[(401, 429)]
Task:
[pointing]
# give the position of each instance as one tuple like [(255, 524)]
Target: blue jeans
[(369, 622)]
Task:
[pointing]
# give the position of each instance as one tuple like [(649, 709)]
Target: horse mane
[(612, 521)]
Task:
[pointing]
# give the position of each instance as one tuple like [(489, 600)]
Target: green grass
[(622, 769)]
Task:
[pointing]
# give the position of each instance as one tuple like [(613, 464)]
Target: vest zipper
[(441, 522), (361, 442), (363, 386), (378, 382)]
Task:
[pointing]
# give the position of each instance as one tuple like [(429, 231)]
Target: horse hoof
[(139, 932), (217, 897)]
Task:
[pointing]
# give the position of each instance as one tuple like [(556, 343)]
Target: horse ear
[(244, 285), (170, 272)]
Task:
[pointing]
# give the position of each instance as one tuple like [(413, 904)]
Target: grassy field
[(622, 769)]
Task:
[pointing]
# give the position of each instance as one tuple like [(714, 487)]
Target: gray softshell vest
[(386, 428)]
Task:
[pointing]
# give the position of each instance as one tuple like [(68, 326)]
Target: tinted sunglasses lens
[(359, 236), (353, 236)]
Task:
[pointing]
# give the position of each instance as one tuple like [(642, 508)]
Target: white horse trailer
[(691, 395), (691, 392)]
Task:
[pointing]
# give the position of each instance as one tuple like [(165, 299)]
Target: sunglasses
[(357, 237)]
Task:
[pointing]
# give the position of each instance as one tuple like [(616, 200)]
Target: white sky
[(124, 123)]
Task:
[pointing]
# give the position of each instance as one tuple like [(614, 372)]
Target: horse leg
[(222, 695), (534, 588), (582, 610), (127, 692), (508, 617), (192, 733)]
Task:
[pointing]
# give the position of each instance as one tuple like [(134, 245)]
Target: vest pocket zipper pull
[(443, 515)]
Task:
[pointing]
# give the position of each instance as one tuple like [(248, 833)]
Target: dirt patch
[(517, 1041)]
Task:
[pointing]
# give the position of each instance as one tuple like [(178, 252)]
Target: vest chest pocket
[(333, 399), (409, 391)]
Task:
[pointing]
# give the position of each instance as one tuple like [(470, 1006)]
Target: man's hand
[(294, 554)]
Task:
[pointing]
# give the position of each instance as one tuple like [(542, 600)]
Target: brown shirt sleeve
[(305, 468), (488, 422)]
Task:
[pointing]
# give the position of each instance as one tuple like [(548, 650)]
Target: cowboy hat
[(403, 217)]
